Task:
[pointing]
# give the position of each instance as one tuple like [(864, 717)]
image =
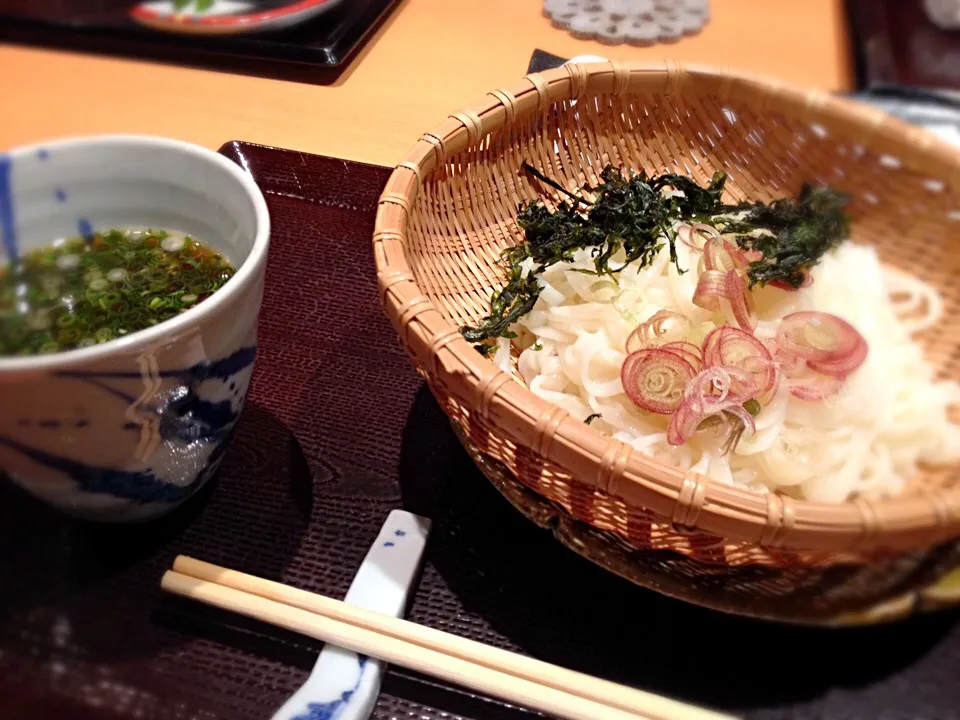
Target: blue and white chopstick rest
[(344, 685)]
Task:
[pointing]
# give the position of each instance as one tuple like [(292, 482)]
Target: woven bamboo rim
[(687, 499)]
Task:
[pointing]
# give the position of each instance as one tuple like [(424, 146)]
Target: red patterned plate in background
[(227, 17)]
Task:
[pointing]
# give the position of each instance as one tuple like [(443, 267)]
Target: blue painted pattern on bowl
[(128, 429)]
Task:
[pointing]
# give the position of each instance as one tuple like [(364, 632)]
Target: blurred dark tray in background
[(896, 45), (905, 64), (315, 51)]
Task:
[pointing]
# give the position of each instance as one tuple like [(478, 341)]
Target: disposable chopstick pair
[(515, 678)]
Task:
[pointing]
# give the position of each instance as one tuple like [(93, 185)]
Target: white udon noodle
[(868, 440)]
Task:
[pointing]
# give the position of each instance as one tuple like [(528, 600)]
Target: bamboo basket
[(449, 210)]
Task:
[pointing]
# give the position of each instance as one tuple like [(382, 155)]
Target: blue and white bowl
[(129, 429)]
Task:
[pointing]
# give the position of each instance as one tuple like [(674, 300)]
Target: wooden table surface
[(429, 58)]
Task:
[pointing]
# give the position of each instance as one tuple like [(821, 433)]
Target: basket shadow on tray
[(74, 581), (549, 602)]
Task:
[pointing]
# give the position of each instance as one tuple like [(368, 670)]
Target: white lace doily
[(640, 22)]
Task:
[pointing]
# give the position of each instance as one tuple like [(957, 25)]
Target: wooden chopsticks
[(518, 679)]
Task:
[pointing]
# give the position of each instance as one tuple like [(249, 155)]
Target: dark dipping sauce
[(86, 291)]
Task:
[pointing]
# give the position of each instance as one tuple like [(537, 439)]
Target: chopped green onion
[(77, 293)]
